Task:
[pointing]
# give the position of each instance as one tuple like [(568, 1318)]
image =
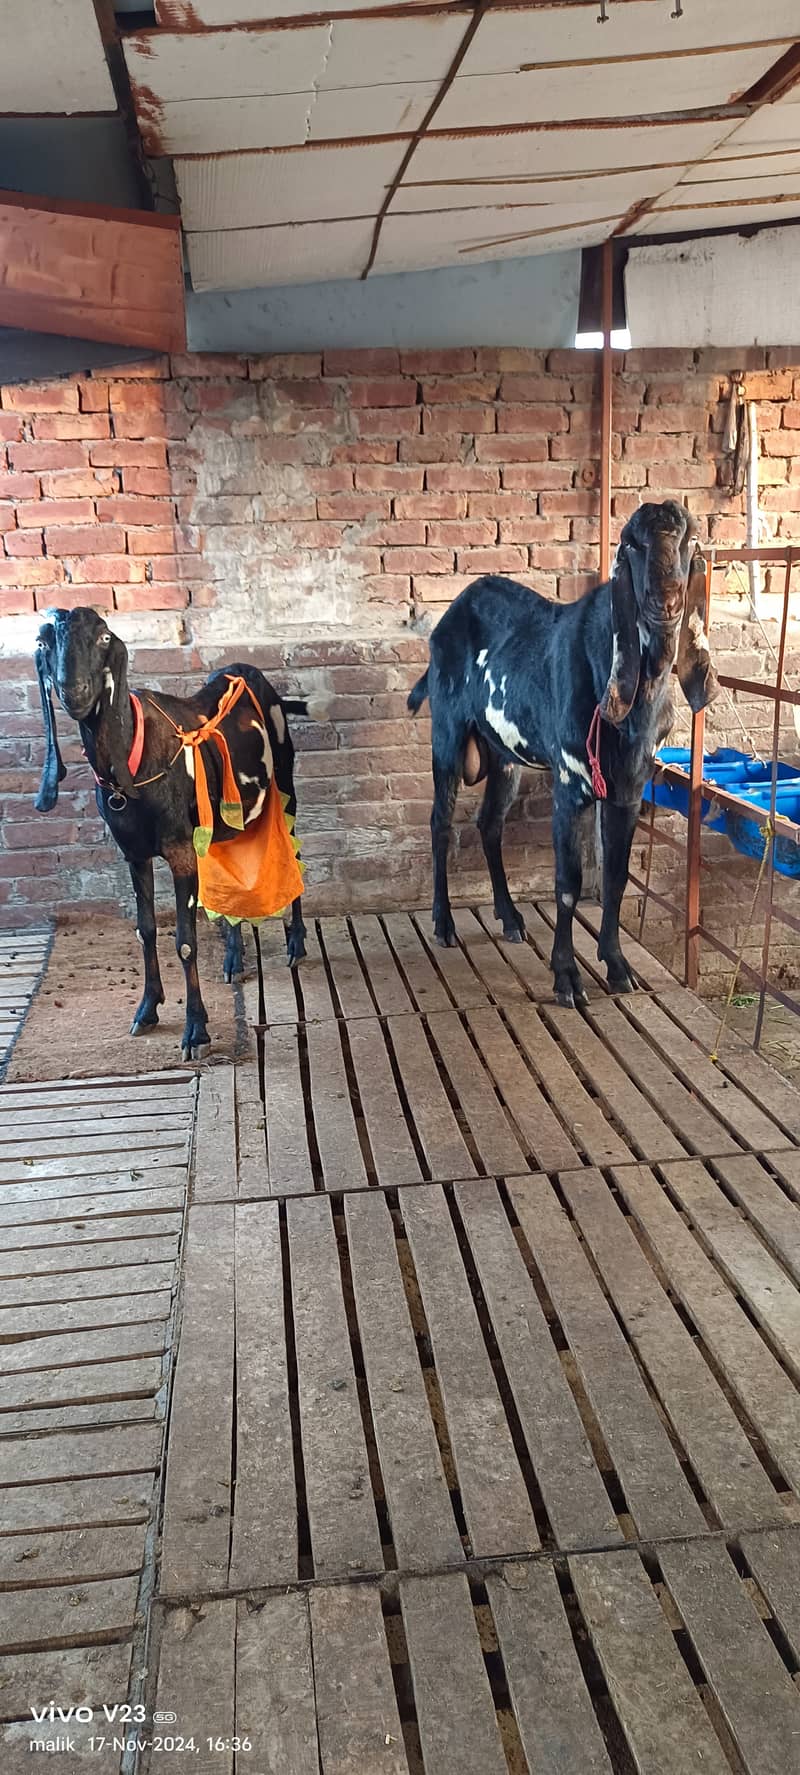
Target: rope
[(769, 834), (593, 754)]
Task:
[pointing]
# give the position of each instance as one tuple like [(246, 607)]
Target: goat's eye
[(103, 640)]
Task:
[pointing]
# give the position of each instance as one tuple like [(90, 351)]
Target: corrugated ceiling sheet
[(248, 258), (254, 190), (52, 60)]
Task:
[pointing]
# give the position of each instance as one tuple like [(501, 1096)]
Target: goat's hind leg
[(146, 1014), (569, 987), (445, 790), (195, 1040), (233, 964), (296, 935), (501, 789), (618, 827)]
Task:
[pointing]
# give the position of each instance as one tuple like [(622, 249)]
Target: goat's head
[(658, 604), (87, 666)]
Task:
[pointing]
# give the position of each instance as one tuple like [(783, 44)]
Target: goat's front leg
[(501, 789), (146, 1016), (445, 790), (296, 935), (233, 963), (569, 986), (195, 1039), (618, 827)]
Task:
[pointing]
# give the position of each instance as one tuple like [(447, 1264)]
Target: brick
[(575, 503), (366, 450), (780, 499), (575, 585), (536, 388), (474, 419), (533, 530), (122, 453), (444, 447), (10, 428), (539, 479), (674, 418), (57, 427), (455, 390), (127, 397), (676, 447), (464, 533), (768, 385), (439, 588), (130, 509), (452, 361), (23, 542), (151, 597), (501, 505), (388, 391), (395, 422), (674, 361), (791, 415), (355, 506), (375, 362), (398, 532), (207, 365), (774, 443), (430, 505), (387, 588), (494, 560), (664, 475), (389, 477), (107, 570), (467, 478), (75, 484), (155, 541), (296, 365), (8, 518), (338, 479), (38, 457), (312, 392), (85, 539), (512, 358), (504, 448), (138, 422), (94, 397), (421, 560), (148, 481), (30, 573), (41, 397), (36, 512)]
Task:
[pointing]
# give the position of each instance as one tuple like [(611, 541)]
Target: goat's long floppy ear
[(626, 658), (54, 769), (114, 701), (696, 675)]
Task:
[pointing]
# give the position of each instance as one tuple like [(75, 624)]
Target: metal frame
[(700, 790)]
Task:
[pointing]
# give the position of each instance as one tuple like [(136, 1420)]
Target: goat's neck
[(96, 735)]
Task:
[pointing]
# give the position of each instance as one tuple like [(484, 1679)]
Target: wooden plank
[(311, 983), (723, 1458), (39, 1127), (40, 1208), (735, 1110), (72, 1417), (85, 1758), (457, 1721), (488, 960), (386, 982), (169, 1143), (280, 981), (645, 1129), (275, 1685), (648, 970), (737, 1059), (522, 958), (591, 1133), (197, 1681), (79, 1231), (149, 1109), (75, 1347), (427, 988), (749, 1368), (393, 1151), (554, 1715), (251, 1135), (76, 1503), (497, 1508), (357, 1718), (79, 1556), (344, 1528), (543, 1136), (59, 1617), (489, 1126), (573, 1491), (657, 1494), (460, 979), (662, 1716), (215, 1137), (423, 1527), (334, 1122), (774, 1559), (741, 1257), (288, 1158), (445, 1150), (351, 988), (264, 1544), (78, 1285), (80, 1255), (84, 1454), (765, 1204), (24, 1169), (143, 1093), (695, 1126), (82, 1315), (786, 1166), (197, 1507), (758, 1699), (83, 1676), (62, 1386)]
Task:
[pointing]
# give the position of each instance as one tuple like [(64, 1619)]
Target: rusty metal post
[(692, 961), (606, 407), (776, 739)]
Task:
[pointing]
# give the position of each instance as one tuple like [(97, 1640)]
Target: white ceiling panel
[(226, 64), (283, 120), (425, 243), (773, 126), (507, 39), (52, 61), (744, 166), (381, 51), (547, 151), (244, 12), (249, 258), (258, 190), (728, 190), (616, 191), (554, 94), (679, 221)]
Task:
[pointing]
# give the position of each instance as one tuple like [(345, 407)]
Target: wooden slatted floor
[(483, 1453), (23, 956)]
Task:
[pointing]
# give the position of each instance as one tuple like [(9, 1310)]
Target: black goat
[(153, 812), (516, 679)]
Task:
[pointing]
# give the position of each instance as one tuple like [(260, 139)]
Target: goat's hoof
[(233, 977), (446, 939), (513, 924), (195, 1042), (194, 1051), (143, 1025), (622, 982), (295, 953), (571, 992), (513, 934)]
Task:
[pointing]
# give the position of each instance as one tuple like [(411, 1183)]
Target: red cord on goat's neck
[(593, 754)]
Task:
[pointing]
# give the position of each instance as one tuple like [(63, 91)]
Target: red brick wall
[(315, 514)]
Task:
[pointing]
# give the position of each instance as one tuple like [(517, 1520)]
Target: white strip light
[(620, 340)]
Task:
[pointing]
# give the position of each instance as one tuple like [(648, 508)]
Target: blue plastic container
[(747, 778)]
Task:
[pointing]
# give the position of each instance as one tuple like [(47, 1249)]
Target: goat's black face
[(76, 645), (657, 543), (655, 562)]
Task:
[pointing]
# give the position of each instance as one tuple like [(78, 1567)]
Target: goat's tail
[(314, 708), (416, 697)]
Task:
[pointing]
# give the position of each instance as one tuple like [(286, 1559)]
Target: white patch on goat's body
[(563, 775), (506, 729), (139, 937), (188, 759), (266, 755), (482, 657), (108, 680), (278, 722), (616, 658), (191, 902), (575, 765), (186, 950), (568, 900), (697, 632)]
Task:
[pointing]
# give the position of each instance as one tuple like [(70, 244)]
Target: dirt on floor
[(780, 1036), (78, 1025)]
